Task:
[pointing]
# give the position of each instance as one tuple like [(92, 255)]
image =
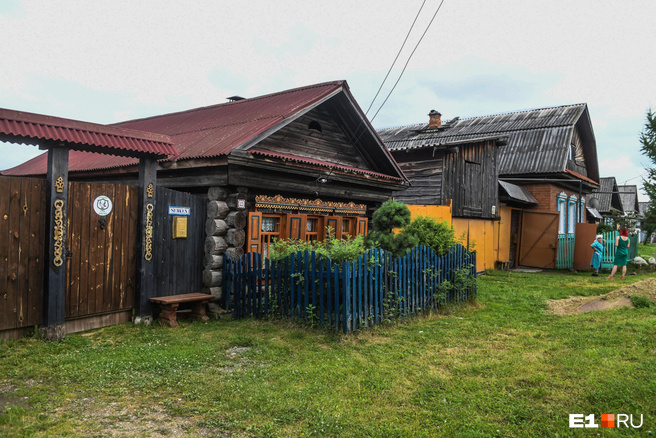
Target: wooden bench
[(169, 307)]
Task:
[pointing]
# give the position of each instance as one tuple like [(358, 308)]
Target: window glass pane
[(270, 224), (312, 225), (346, 225)]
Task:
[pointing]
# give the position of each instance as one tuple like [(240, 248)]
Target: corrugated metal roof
[(595, 213), (605, 194), (321, 163), (538, 140), (20, 126), (206, 132), (216, 130), (629, 197), (518, 193), (77, 161)]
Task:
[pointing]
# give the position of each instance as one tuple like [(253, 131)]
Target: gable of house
[(608, 196), (629, 197)]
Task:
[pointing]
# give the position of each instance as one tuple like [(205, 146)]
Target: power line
[(409, 58), (397, 57)]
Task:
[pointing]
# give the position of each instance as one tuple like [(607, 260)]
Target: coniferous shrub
[(437, 235)]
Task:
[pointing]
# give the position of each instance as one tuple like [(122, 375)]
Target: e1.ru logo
[(607, 420)]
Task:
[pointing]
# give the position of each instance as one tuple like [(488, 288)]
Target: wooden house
[(284, 165), (545, 161), (606, 199)]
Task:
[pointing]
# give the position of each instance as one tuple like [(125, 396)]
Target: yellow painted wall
[(503, 233), (479, 235), (439, 212)]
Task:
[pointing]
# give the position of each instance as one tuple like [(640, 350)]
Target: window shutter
[(362, 224), (254, 229), (334, 222), (296, 224)]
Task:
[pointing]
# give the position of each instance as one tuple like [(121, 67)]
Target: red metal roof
[(216, 130), (297, 159), (205, 132), (24, 127)]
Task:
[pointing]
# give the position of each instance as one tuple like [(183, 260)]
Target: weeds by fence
[(375, 288)]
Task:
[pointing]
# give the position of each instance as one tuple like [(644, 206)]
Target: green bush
[(640, 302), (339, 251), (437, 235)]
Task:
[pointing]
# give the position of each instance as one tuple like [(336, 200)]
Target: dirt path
[(612, 300)]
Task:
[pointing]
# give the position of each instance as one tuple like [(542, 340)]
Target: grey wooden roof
[(608, 195), (538, 139), (629, 197), (644, 206)]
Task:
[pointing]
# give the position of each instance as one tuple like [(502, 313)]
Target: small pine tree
[(391, 215), (438, 236)]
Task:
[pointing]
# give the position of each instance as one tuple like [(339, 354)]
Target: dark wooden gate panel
[(101, 266), (22, 239), (539, 240), (178, 262)]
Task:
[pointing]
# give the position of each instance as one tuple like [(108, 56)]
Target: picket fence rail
[(609, 248), (375, 288)]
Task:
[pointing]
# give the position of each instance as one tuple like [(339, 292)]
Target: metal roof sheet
[(595, 213), (205, 132), (30, 128), (518, 193), (538, 139), (629, 197)]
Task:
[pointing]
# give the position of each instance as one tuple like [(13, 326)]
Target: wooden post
[(145, 282), (54, 309)]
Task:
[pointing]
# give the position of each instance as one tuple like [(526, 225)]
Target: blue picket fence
[(609, 249), (353, 295)]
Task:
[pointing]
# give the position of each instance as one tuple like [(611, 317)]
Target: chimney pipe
[(434, 119)]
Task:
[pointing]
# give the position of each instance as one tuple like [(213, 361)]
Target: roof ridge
[(237, 102), (524, 111)]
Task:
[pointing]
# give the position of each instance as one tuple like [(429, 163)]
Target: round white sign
[(102, 205)]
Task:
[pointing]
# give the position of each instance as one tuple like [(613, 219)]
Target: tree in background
[(648, 148)]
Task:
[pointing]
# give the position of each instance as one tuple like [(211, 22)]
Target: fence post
[(346, 282)]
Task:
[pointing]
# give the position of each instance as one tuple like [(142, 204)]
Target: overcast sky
[(109, 61)]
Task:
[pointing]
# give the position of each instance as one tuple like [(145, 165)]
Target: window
[(562, 209), (270, 232), (347, 226), (312, 229), (571, 214)]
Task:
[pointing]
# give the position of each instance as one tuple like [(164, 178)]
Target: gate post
[(54, 309), (145, 282)]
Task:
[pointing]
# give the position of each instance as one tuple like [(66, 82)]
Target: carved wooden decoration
[(150, 191), (59, 233), (59, 185)]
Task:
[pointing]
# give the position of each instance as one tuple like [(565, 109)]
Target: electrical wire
[(395, 59), (408, 61)]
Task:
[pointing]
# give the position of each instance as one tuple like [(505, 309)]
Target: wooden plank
[(117, 243), (109, 190), (37, 248), (6, 321), (12, 290)]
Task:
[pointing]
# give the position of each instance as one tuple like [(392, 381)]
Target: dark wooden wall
[(466, 175), (101, 269), (22, 240), (178, 262), (329, 145), (471, 180), (424, 170)]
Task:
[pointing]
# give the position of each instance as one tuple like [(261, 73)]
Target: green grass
[(646, 250), (501, 367)]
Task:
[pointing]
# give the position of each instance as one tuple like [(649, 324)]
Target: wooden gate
[(539, 239), (101, 247), (22, 239)]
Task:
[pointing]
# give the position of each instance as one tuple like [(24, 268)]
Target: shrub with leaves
[(339, 251), (437, 235), (389, 216)]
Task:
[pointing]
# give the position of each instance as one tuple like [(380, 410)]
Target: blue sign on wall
[(180, 211)]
